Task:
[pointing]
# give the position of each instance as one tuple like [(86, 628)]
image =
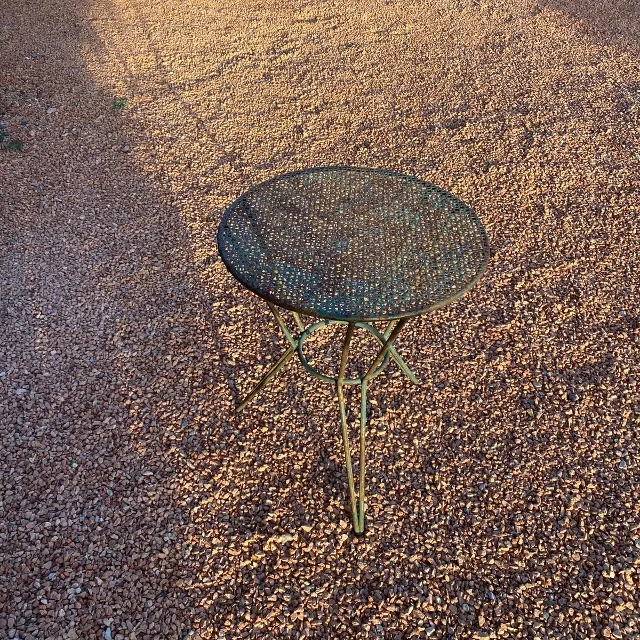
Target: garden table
[(353, 246)]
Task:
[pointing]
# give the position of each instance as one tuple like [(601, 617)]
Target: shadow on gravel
[(99, 336), (596, 21)]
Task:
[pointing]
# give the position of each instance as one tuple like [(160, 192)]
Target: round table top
[(349, 243)]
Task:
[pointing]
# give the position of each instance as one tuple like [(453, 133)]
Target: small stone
[(537, 384), (623, 465), (572, 397), (107, 633)]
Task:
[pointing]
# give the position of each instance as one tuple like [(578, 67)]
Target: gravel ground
[(503, 491)]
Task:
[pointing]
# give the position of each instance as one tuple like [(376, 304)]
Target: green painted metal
[(385, 348), (309, 242), (360, 529), (325, 378), (295, 344), (323, 258), (357, 497), (386, 351), (284, 358), (345, 427), (397, 357), (296, 317), (290, 339)]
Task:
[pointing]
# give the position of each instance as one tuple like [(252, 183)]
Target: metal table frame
[(385, 352)]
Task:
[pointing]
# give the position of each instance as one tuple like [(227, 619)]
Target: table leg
[(299, 322), (387, 346), (357, 499), (357, 516), (360, 530), (284, 358), (397, 357), (280, 322)]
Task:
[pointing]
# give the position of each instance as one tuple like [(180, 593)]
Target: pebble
[(135, 500)]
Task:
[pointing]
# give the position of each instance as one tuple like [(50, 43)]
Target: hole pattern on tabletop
[(352, 243)]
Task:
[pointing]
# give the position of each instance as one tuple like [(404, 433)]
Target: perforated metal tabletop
[(350, 243)]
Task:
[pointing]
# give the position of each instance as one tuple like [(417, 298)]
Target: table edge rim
[(314, 314)]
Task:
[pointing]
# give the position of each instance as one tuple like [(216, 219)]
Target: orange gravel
[(503, 492)]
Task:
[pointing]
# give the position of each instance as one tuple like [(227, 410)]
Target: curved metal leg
[(284, 358), (397, 357)]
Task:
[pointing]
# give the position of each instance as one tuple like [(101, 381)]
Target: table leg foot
[(363, 532)]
